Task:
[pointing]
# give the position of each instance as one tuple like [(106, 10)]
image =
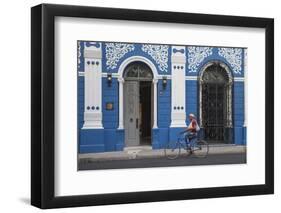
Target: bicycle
[(196, 146)]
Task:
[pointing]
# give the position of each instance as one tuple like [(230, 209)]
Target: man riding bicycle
[(191, 132), (189, 141)]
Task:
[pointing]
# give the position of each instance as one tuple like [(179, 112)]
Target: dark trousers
[(190, 138)]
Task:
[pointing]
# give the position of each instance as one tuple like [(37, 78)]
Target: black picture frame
[(43, 105)]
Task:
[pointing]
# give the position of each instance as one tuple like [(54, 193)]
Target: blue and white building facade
[(133, 94)]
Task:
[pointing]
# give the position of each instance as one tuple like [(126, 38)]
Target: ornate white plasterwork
[(159, 53), (196, 55), (79, 54), (233, 57), (115, 51)]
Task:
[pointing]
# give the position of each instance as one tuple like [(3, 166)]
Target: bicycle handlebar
[(180, 133)]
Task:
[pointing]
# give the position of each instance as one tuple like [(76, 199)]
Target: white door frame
[(121, 85)]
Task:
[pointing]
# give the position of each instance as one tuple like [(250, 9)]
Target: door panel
[(131, 95)]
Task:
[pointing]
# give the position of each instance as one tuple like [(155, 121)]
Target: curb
[(159, 153)]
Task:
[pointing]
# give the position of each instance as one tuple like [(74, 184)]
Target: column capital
[(155, 81), (92, 50), (121, 80)]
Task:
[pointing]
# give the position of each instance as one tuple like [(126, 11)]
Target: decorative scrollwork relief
[(196, 55), (233, 56), (115, 51), (79, 54), (159, 53)]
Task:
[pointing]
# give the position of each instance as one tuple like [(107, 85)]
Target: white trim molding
[(120, 77), (121, 117), (81, 73), (137, 58), (191, 78), (178, 115), (116, 75), (155, 106), (93, 88), (239, 79)]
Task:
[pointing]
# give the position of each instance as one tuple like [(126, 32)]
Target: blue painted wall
[(110, 117), (80, 91), (164, 104), (160, 136), (191, 87), (238, 112), (110, 95), (112, 139), (91, 140)]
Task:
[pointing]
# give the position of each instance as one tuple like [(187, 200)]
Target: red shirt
[(192, 125)]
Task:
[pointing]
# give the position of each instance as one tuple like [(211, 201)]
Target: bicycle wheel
[(172, 150), (200, 149)]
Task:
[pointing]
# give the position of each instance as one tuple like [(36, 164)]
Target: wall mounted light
[(109, 79), (164, 82)]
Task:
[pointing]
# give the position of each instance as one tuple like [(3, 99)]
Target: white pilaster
[(93, 87), (155, 94), (121, 85), (178, 86)]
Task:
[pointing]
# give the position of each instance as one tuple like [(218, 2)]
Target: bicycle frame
[(191, 146), (191, 143)]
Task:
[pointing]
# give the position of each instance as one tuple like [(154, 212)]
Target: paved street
[(234, 158)]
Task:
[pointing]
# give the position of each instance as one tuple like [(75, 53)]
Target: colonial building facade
[(132, 94)]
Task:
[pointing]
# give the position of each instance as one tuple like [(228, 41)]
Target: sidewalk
[(144, 152)]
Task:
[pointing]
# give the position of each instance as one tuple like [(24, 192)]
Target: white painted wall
[(15, 97)]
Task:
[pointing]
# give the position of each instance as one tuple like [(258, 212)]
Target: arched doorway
[(216, 102), (138, 104)]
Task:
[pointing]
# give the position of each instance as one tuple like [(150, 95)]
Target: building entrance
[(138, 104)]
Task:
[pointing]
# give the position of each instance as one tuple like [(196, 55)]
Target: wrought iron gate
[(213, 102), (215, 90)]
